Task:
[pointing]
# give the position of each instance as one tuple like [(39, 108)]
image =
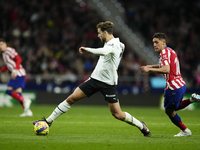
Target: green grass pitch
[(94, 128)]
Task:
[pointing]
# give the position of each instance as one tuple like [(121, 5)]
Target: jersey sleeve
[(100, 51), (3, 69), (165, 57), (18, 61)]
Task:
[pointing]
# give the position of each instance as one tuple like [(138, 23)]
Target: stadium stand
[(47, 35)]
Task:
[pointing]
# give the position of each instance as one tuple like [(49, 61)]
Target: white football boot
[(195, 98), (28, 113), (183, 133)]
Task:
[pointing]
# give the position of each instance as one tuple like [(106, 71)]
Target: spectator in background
[(181, 24), (17, 81), (46, 35), (52, 26)]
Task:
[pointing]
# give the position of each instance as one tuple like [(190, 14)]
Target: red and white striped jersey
[(12, 61), (173, 80)]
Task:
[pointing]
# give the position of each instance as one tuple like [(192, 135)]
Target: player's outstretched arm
[(153, 66), (163, 70)]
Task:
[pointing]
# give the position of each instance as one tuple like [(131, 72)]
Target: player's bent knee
[(72, 99), (170, 112)]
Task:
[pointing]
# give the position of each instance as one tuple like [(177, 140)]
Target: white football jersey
[(107, 65)]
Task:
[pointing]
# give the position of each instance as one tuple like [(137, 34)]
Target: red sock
[(184, 103), (182, 126), (17, 96)]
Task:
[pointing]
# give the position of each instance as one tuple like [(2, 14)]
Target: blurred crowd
[(179, 20), (47, 35)]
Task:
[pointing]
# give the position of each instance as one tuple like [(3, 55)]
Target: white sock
[(133, 121), (62, 108)]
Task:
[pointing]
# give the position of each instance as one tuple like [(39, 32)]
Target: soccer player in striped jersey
[(104, 78), (17, 81), (175, 85)]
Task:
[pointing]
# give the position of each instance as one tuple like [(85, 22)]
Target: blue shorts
[(172, 98), (17, 83)]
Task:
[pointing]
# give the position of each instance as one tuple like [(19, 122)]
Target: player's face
[(158, 44), (2, 46), (101, 35)]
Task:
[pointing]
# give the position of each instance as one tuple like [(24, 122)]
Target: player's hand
[(14, 74), (144, 69), (82, 50)]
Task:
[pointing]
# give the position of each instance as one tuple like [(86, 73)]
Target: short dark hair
[(160, 36), (106, 26), (2, 40)]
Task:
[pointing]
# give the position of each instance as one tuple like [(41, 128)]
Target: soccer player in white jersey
[(175, 85), (104, 79), (17, 81)]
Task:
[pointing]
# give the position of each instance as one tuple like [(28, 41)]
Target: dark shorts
[(91, 86), (172, 98), (17, 83)]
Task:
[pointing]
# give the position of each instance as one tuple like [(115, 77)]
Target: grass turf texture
[(94, 128)]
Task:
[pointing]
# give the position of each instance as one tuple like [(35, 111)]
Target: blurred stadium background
[(47, 35)]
